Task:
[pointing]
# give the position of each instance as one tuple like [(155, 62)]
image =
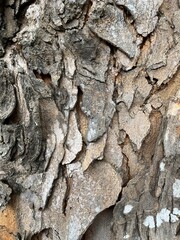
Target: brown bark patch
[(8, 224)]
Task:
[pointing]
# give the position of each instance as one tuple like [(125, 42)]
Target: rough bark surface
[(89, 119)]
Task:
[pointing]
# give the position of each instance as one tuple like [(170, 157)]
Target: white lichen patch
[(126, 236), (162, 166), (176, 211), (127, 209), (33, 13), (176, 188), (97, 209), (149, 222), (165, 215), (158, 220), (162, 216)]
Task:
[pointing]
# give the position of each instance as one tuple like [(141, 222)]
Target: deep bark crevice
[(22, 10)]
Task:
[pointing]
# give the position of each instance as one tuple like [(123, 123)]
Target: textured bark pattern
[(89, 119)]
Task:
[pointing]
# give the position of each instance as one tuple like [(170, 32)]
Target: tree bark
[(89, 119)]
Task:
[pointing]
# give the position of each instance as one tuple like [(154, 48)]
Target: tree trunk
[(89, 119)]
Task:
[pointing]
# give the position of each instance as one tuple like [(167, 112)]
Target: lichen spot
[(162, 166), (127, 209), (126, 236), (149, 222), (176, 188)]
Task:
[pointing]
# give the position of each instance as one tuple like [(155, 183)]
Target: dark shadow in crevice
[(178, 230), (2, 6), (22, 10), (47, 232), (101, 227), (87, 8), (14, 118), (45, 77), (127, 13), (151, 81)]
